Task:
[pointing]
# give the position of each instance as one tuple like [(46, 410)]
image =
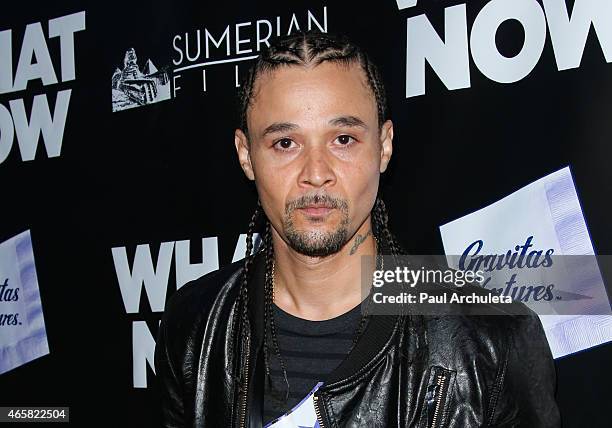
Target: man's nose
[(317, 169)]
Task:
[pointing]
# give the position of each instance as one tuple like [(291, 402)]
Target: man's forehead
[(341, 90)]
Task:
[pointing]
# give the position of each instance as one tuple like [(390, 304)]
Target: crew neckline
[(294, 324)]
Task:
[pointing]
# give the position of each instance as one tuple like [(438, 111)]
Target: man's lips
[(316, 210)]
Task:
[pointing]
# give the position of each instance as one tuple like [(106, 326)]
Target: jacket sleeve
[(526, 393), (168, 378)]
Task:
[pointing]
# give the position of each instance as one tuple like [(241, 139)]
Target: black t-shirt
[(310, 350)]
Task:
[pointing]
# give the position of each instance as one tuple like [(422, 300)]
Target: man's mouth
[(317, 210)]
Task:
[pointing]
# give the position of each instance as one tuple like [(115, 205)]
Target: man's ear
[(386, 147), (244, 153)]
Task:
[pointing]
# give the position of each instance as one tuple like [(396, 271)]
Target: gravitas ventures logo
[(449, 54), (531, 263)]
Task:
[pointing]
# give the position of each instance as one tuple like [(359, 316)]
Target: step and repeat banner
[(120, 181)]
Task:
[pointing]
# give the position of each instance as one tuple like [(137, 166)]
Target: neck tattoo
[(358, 241)]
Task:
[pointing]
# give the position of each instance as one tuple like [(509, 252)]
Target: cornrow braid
[(269, 316), (243, 296), (382, 235), (267, 292), (382, 223), (375, 80), (307, 49)]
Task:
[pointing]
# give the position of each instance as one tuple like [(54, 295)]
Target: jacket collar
[(378, 331), (256, 297)]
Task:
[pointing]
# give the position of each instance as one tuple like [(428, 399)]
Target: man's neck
[(320, 288)]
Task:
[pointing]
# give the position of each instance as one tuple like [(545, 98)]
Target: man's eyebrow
[(348, 121), (344, 121), (279, 127)]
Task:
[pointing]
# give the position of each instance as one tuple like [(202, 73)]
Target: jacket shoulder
[(197, 296), (508, 356), (179, 335), (489, 332)]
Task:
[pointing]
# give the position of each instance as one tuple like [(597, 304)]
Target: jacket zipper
[(439, 394), (315, 400), (246, 387)]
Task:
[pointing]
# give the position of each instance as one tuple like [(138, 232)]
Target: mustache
[(323, 199)]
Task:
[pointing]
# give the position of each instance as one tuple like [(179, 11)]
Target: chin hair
[(317, 244)]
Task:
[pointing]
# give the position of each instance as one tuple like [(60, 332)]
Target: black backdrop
[(167, 172)]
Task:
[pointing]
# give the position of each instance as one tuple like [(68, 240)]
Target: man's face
[(315, 152)]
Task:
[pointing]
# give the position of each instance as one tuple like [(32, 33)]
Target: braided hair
[(305, 49)]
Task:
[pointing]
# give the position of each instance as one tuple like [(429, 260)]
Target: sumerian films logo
[(132, 87)]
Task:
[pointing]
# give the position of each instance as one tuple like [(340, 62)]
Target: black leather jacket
[(459, 371)]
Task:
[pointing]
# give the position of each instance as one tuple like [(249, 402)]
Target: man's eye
[(284, 143), (345, 140)]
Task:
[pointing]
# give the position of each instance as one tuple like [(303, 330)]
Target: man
[(244, 345)]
